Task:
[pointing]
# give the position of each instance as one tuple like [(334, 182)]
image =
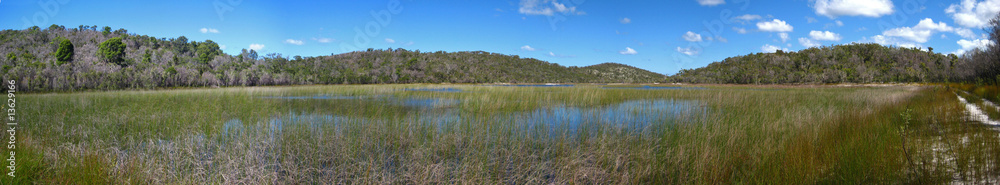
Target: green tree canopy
[(106, 30), (113, 51), (65, 52), (207, 51)]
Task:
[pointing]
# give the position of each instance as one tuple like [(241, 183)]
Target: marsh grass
[(732, 135)]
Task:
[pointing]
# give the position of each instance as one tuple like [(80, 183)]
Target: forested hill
[(854, 63), (87, 57)]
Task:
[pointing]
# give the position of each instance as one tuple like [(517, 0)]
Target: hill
[(68, 59), (852, 63)]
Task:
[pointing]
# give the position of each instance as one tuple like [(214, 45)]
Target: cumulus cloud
[(711, 2), (688, 51), (222, 46), (889, 41), (808, 43), (969, 45), (546, 7), (839, 23), (527, 48), (783, 36), (257, 47), (824, 35), (625, 20), (972, 13), (390, 41), (920, 33), (293, 41), (208, 30), (965, 32), (867, 8), (767, 48), (692, 37), (628, 51), (774, 26)]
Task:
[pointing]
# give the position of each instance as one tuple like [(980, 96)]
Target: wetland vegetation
[(486, 134)]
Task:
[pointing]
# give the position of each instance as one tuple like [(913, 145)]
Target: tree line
[(87, 58), (855, 63)]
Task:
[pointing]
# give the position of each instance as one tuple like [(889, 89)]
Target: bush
[(113, 51), (65, 52)]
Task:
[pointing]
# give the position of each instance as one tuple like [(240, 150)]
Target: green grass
[(748, 135)]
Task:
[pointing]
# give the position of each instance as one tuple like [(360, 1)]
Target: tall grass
[(734, 135)]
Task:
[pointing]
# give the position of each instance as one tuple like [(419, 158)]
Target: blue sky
[(662, 36)]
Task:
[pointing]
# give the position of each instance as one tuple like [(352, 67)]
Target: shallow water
[(633, 115), (435, 89)]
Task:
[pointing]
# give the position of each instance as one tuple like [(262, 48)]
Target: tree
[(207, 51), (147, 57), (106, 30), (65, 52), (113, 51)]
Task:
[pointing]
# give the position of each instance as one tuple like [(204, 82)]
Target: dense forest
[(83, 58), (855, 63)]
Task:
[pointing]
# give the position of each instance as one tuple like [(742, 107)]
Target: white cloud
[(965, 32), (972, 13), (408, 43), (551, 54), (222, 46), (824, 35), (209, 30), (390, 41), (546, 7), (628, 51), (767, 48), (811, 20), (625, 20), (920, 33), (747, 18), (323, 40), (257, 47), (839, 23), (688, 51), (808, 43), (867, 8), (740, 30), (889, 41), (692, 37), (711, 2), (784, 36), (293, 41), (527, 48), (774, 26), (968, 45)]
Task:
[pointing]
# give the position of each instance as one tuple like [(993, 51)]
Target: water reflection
[(435, 89), (633, 115)]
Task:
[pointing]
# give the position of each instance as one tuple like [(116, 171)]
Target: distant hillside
[(854, 63), (615, 72), (86, 57)]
